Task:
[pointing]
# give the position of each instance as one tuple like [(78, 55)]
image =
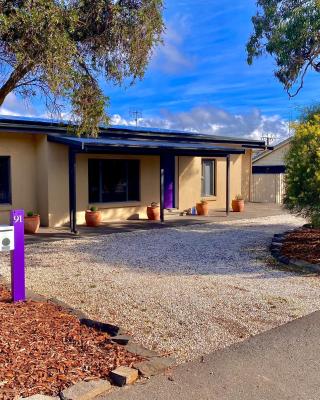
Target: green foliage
[(63, 49), (30, 214), (289, 31), (303, 170), (93, 209)]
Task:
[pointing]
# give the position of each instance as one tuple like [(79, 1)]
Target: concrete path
[(281, 364)]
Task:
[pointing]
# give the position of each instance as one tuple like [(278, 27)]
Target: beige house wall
[(190, 180), (246, 175), (41, 157), (22, 150), (58, 184), (40, 181)]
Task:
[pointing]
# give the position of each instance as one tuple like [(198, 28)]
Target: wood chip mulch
[(303, 244), (43, 349)]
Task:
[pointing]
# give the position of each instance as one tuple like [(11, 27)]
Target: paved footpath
[(281, 364)]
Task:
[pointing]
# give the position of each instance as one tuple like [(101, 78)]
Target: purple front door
[(169, 181)]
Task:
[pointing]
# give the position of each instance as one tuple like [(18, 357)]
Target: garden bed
[(303, 244), (43, 349)]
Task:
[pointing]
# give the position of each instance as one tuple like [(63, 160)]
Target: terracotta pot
[(93, 218), (202, 208), (31, 224), (238, 205), (153, 213)]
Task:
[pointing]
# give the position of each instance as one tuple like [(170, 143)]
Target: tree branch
[(19, 73), (291, 95)]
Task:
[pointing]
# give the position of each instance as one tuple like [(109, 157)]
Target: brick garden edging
[(299, 265), (154, 364)]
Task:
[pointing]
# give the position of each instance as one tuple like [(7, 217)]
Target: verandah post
[(72, 190), (228, 184), (161, 188)]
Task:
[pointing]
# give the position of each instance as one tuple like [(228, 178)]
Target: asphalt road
[(281, 364)]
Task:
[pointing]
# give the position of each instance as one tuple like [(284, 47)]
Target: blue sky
[(199, 78)]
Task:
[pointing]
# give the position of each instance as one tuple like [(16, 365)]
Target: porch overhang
[(139, 146), (143, 147)]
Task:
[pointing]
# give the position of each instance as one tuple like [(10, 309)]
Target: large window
[(208, 184), (114, 181), (5, 180)]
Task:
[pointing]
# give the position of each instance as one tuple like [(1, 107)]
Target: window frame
[(214, 177), (8, 199), (105, 160)]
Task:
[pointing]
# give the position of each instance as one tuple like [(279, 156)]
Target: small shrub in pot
[(153, 211), (202, 207), (31, 222), (93, 217), (238, 203)]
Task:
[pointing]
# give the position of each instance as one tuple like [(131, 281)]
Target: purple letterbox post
[(18, 288)]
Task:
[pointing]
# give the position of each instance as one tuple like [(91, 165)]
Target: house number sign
[(12, 240)]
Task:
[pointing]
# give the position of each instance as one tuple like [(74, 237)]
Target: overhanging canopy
[(138, 146)]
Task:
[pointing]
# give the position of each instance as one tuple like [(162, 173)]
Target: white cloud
[(216, 121), (202, 119), (170, 57), (14, 106)]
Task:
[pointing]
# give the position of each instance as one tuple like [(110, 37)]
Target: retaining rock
[(154, 366), (86, 390), (124, 376)]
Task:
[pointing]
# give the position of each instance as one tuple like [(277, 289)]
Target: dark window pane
[(94, 181), (133, 180), (5, 184), (114, 181)]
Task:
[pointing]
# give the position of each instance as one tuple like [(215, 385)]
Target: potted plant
[(93, 217), (31, 222), (238, 204), (153, 211), (202, 207)]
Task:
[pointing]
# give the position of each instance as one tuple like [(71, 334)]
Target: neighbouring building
[(45, 169), (268, 172)]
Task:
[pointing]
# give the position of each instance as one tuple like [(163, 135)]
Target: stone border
[(154, 363), (299, 265)]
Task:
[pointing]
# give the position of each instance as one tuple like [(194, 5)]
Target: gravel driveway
[(184, 291)]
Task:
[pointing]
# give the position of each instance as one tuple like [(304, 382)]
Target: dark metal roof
[(46, 126), (136, 146)]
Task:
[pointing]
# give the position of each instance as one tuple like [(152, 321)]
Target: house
[(268, 171), (46, 169)]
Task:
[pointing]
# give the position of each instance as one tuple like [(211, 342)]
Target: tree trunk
[(19, 73)]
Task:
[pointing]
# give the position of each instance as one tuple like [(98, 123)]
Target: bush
[(303, 169)]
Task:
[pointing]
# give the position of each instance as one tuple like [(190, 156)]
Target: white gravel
[(184, 291)]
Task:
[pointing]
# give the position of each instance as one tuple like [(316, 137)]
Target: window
[(114, 181), (208, 184), (5, 180)]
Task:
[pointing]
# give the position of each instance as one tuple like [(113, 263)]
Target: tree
[(64, 49), (289, 30), (303, 168)]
